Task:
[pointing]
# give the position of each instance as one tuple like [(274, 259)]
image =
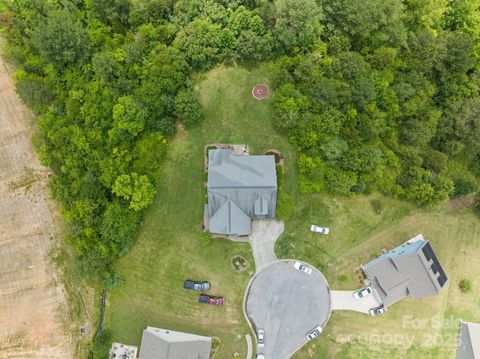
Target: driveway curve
[(286, 303), (265, 233)]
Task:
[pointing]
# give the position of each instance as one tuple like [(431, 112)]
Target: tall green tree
[(61, 38), (298, 25)]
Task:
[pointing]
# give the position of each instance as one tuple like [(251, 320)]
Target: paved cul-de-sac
[(287, 303)]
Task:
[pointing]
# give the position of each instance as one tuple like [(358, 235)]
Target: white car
[(378, 310), (303, 268), (362, 292), (315, 332), (317, 229), (260, 356), (260, 338)]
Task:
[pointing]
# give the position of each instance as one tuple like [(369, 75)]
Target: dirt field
[(32, 301)]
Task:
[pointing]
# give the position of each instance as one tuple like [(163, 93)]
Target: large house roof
[(226, 170), (410, 269), (468, 341), (240, 188), (168, 344)]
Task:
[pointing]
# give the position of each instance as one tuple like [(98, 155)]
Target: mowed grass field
[(412, 328), (169, 250)]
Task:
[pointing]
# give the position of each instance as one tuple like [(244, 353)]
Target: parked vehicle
[(210, 299), (317, 229), (362, 292), (260, 338), (194, 285), (260, 356), (315, 332), (303, 268), (377, 311)]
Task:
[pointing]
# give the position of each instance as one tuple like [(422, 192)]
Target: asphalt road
[(287, 304)]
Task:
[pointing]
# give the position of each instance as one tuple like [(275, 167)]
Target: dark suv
[(191, 284), (210, 299)]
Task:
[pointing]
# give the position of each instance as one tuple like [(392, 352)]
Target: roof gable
[(230, 219)]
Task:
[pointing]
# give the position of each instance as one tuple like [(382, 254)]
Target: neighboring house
[(122, 351), (240, 188), (468, 341), (410, 269), (168, 344)]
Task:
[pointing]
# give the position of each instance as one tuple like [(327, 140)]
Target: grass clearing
[(412, 328), (169, 249)]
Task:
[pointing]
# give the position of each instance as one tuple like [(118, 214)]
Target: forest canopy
[(377, 95)]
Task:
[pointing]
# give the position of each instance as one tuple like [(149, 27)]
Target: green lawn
[(425, 328), (169, 249)]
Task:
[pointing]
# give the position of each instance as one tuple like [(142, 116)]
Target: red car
[(210, 299)]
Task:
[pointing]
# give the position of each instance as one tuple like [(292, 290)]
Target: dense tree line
[(108, 81), (385, 98), (376, 94)]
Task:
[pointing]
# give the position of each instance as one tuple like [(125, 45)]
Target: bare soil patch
[(260, 92), (460, 202), (32, 301)]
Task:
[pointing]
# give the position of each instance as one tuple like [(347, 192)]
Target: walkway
[(249, 346)]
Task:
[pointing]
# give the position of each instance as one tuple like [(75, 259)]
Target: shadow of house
[(410, 269), (240, 188)]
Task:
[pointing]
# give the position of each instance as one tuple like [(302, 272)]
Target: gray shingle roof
[(239, 187), (226, 170), (230, 219), (168, 344), (410, 269), (468, 341)]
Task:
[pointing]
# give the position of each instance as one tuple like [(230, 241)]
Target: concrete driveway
[(265, 233), (287, 304), (343, 300)]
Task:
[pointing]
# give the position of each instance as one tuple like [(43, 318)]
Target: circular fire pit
[(260, 92)]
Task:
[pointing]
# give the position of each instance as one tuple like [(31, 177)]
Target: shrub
[(206, 238), (279, 176), (343, 278), (114, 280), (476, 204), (377, 206), (465, 285), (463, 187), (285, 205)]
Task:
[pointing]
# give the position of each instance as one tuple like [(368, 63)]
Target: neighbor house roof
[(468, 341), (122, 351), (168, 344), (410, 269), (240, 188)]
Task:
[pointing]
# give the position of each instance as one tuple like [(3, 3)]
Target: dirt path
[(31, 299)]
